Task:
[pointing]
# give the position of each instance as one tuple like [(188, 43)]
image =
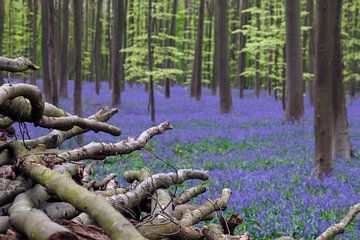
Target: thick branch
[(213, 232), (162, 180), (340, 227), (59, 210), (9, 189), (189, 194), (161, 203), (56, 137), (34, 223), (67, 123), (114, 224), (126, 146), (30, 92), (138, 175), (19, 64), (193, 217)]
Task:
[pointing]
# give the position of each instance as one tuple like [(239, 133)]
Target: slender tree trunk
[(342, 146), (150, 61), (171, 43), (33, 46), (131, 32), (244, 4), (116, 72), (64, 50), (222, 55), (45, 49), (257, 55), (52, 53), (294, 102), (97, 47), (327, 32), (214, 82), (110, 42), (283, 83), (2, 20), (311, 55), (78, 52), (196, 78), (210, 17)]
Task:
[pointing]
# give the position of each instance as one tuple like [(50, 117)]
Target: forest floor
[(268, 165)]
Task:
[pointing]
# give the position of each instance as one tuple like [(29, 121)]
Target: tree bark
[(97, 47), (34, 5), (244, 4), (45, 49), (196, 78), (342, 146), (327, 15), (78, 60), (64, 49), (2, 20), (311, 55), (171, 43), (116, 56), (53, 52), (257, 55), (221, 53), (150, 50), (294, 80)]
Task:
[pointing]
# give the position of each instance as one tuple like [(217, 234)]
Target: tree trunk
[(171, 43), (257, 55), (196, 78), (342, 147), (116, 71), (64, 49), (311, 55), (45, 49), (2, 20), (244, 4), (327, 15), (150, 61), (33, 47), (97, 47), (78, 62), (52, 53), (221, 53), (295, 101)]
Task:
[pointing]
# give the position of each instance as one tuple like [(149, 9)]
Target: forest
[(179, 119)]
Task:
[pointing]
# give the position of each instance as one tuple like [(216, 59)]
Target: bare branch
[(340, 227), (150, 184), (67, 123), (210, 206), (19, 64), (91, 150), (56, 137), (189, 194), (138, 175)]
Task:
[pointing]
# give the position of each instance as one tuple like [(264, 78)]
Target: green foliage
[(136, 54)]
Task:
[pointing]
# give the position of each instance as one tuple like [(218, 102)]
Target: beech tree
[(221, 63), (78, 59), (294, 80), (150, 52), (331, 137), (195, 90), (64, 49)]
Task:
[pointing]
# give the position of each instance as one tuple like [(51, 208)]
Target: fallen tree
[(48, 193)]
